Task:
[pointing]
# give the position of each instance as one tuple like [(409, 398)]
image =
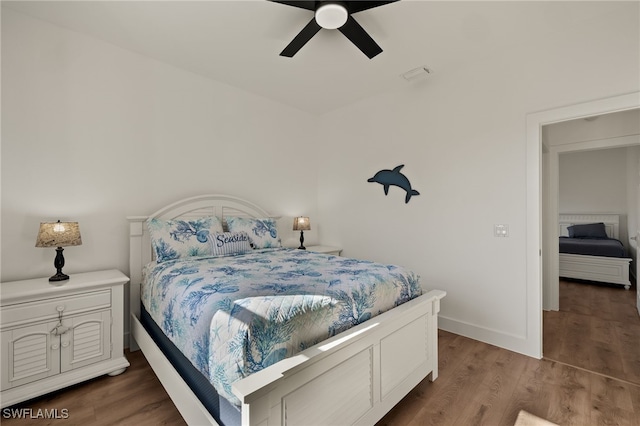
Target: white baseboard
[(512, 342)]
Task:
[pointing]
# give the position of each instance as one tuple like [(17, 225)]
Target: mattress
[(608, 247), (222, 410), (234, 315)]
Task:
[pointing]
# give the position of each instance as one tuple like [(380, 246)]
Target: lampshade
[(301, 223), (59, 234)]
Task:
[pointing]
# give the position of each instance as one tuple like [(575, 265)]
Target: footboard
[(611, 270), (353, 378)]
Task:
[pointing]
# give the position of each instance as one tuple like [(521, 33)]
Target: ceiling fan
[(334, 15)]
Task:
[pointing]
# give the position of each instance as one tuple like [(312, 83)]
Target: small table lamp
[(301, 224), (59, 234)]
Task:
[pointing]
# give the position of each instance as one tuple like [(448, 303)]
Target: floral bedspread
[(235, 315)]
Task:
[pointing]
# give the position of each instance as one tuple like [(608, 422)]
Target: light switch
[(501, 230)]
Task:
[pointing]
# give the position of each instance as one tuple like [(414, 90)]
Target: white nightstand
[(57, 334), (326, 250)]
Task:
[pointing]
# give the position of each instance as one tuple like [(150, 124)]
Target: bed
[(599, 259), (355, 376)]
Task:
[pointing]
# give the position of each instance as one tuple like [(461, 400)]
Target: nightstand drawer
[(40, 310)]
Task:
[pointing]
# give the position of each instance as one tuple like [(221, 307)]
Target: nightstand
[(326, 250), (58, 334)]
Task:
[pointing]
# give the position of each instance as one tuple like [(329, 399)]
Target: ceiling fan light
[(331, 16)]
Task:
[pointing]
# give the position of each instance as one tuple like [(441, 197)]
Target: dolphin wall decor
[(394, 177)]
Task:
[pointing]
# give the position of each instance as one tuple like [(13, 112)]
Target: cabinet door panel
[(88, 340), (33, 353)]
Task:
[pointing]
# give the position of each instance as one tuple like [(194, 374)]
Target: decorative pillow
[(231, 243), (174, 239), (589, 230), (261, 232)]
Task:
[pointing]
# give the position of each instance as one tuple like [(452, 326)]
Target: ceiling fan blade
[(301, 39), (359, 6), (309, 5), (358, 36)]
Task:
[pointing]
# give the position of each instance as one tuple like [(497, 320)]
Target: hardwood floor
[(478, 384), (134, 397), (597, 328)]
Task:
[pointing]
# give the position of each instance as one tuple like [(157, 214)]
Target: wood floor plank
[(612, 403), (634, 392), (571, 390), (600, 301), (482, 380), (133, 397), (497, 388), (554, 329), (603, 331), (629, 340), (532, 393), (573, 298), (456, 391), (574, 343), (603, 340), (606, 359)]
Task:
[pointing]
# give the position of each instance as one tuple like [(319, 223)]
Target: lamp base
[(58, 262), (59, 277), (302, 247)]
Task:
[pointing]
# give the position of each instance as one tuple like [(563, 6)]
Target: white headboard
[(611, 222), (140, 251)]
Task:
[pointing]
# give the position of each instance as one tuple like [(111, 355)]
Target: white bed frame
[(355, 377), (613, 270)]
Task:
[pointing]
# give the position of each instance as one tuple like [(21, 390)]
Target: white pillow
[(175, 239), (227, 243), (262, 232)]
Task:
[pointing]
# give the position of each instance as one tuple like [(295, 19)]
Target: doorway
[(595, 326), (541, 249), (602, 135)]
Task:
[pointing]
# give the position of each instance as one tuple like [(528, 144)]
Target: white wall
[(90, 130), (595, 182), (461, 135), (93, 133)]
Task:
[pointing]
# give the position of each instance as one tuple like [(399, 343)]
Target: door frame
[(538, 221), (550, 231)]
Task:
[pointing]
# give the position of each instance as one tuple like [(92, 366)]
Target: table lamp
[(301, 224), (59, 234)]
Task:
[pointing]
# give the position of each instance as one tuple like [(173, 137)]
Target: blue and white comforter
[(235, 315)]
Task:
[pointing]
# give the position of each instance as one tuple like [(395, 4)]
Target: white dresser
[(58, 334)]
